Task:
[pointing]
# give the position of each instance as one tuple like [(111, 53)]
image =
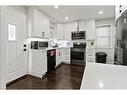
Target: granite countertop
[(104, 76)]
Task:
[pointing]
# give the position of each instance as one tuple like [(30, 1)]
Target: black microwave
[(39, 44), (78, 35)]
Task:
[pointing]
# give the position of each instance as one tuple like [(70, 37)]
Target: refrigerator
[(121, 39)]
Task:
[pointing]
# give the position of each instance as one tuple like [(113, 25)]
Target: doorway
[(16, 55)]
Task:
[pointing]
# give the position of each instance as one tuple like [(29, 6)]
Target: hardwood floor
[(64, 77)]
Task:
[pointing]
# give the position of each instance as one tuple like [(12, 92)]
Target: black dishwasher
[(51, 60)]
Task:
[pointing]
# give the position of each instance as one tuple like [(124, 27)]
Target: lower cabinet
[(62, 55), (59, 55), (39, 63), (90, 54), (38, 66), (66, 53)]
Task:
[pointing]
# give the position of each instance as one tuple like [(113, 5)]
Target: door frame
[(3, 46)]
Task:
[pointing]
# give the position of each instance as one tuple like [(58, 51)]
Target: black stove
[(78, 53)]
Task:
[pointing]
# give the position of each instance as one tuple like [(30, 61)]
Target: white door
[(16, 56)]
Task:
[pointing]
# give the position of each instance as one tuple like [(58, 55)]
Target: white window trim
[(110, 44), (15, 33)]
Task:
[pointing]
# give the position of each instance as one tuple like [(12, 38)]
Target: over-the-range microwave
[(39, 44)]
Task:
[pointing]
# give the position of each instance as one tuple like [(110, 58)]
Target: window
[(103, 36), (11, 32)]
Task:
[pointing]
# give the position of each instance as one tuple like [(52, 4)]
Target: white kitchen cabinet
[(70, 27), (60, 31), (90, 54), (41, 24), (66, 54), (73, 26), (82, 25), (90, 30), (90, 51), (68, 31), (59, 56), (52, 29), (38, 23), (39, 63)]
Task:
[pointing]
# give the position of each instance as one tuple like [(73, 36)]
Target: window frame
[(110, 35), (15, 33)]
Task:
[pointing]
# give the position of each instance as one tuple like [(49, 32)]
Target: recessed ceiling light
[(100, 12), (66, 18), (56, 6)]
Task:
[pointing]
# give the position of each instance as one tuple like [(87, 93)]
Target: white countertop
[(50, 48), (104, 76)]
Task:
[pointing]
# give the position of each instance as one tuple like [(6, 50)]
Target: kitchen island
[(39, 61), (104, 76)]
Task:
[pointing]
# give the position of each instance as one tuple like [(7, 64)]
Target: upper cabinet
[(90, 29), (38, 23), (52, 30), (73, 26), (42, 26), (60, 31), (82, 25), (68, 30)]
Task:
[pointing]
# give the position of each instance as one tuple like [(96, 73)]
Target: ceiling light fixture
[(66, 18), (56, 6), (100, 12)]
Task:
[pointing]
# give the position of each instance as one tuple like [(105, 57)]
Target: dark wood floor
[(64, 77)]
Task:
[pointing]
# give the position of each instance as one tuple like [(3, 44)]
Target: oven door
[(79, 56)]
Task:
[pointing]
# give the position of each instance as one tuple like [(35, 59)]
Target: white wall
[(3, 41), (109, 51), (3, 57)]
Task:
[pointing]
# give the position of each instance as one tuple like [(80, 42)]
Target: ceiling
[(78, 12)]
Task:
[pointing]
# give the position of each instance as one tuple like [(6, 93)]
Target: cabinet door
[(67, 55), (73, 26), (57, 57), (90, 55), (44, 62), (61, 55), (70, 27), (52, 29), (82, 25), (39, 63), (60, 31), (36, 66), (90, 30), (41, 24), (68, 31)]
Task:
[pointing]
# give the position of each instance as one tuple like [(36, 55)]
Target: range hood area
[(78, 34)]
